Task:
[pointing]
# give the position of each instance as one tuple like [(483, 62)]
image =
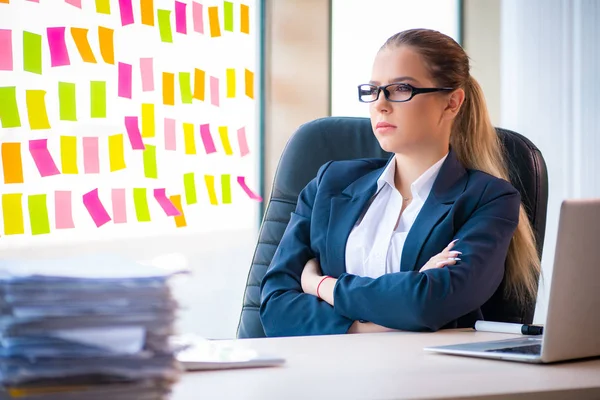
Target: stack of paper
[(94, 327)]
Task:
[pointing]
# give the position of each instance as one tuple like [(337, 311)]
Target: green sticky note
[(226, 188), (228, 11), (189, 183), (140, 201), (9, 110), (67, 100), (185, 87), (12, 211), (98, 99), (32, 52), (150, 170), (164, 26), (38, 214)]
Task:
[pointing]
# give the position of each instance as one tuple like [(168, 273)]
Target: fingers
[(450, 246)]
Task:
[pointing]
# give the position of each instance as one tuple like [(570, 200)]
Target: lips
[(384, 125)]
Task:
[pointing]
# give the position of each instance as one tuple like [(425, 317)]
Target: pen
[(505, 327)]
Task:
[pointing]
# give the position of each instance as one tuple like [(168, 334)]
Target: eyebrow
[(397, 80)]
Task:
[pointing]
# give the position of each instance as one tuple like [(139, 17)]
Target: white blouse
[(375, 244)]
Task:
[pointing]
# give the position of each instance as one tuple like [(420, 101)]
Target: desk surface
[(389, 366)]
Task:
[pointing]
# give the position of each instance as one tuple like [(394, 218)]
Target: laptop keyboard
[(535, 349)]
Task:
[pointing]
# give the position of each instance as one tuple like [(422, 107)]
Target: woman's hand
[(446, 257), (311, 276)]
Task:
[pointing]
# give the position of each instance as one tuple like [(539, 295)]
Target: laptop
[(572, 328)]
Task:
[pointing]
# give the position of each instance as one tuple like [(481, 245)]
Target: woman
[(418, 242)]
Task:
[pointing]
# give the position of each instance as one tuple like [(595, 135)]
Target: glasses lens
[(367, 93), (399, 92)]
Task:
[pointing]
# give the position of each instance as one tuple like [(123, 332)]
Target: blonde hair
[(477, 146)]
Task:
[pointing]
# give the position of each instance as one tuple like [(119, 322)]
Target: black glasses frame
[(414, 91)]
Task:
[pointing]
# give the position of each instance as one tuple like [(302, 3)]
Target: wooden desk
[(390, 366)]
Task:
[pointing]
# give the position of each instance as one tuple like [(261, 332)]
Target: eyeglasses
[(395, 92)]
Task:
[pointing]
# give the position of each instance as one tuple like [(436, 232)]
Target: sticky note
[(188, 138), (68, 101), (168, 80), (147, 11), (147, 73), (209, 180), (142, 212), (224, 134), (148, 125), (165, 203), (242, 182), (91, 160), (228, 14), (126, 12), (197, 16), (4, 1), (249, 78), (180, 17), (133, 131), (243, 142), (119, 206), (244, 19), (12, 212), (38, 214), (185, 87), (180, 221), (125, 71), (9, 110), (170, 137), (213, 20), (207, 140), (63, 210), (164, 26), (36, 109), (214, 91), (74, 3), (42, 158), (59, 55), (6, 50), (32, 52), (189, 184), (103, 6), (116, 152), (199, 84), (95, 208), (150, 170), (83, 45), (107, 45), (12, 163), (98, 99), (226, 188), (230, 75), (68, 154)]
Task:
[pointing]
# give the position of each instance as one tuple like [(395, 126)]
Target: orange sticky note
[(5, 1), (180, 221), (83, 45), (245, 17), (12, 163), (168, 88), (147, 10), (213, 19), (199, 84), (249, 80), (107, 46)]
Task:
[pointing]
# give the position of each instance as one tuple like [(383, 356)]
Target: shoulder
[(492, 195), (489, 185), (337, 175)]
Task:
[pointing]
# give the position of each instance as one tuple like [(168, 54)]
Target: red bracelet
[(319, 285)]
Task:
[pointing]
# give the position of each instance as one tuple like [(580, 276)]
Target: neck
[(410, 166)]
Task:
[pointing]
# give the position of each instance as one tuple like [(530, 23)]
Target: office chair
[(342, 138)]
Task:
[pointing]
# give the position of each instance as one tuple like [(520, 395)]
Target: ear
[(455, 101)]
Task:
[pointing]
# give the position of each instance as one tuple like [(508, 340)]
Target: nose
[(381, 105)]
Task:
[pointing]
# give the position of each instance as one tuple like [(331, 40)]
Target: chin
[(389, 144)]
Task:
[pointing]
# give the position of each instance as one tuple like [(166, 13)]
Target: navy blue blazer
[(480, 210)]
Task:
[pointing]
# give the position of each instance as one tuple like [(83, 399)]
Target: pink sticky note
[(118, 206), (147, 72), (180, 17), (63, 209), (168, 207), (91, 161), (197, 16), (34, 1), (207, 140), (125, 71), (133, 131), (59, 54), (92, 202), (126, 12), (42, 157), (76, 3), (242, 141), (214, 91), (170, 140), (242, 181), (6, 51)]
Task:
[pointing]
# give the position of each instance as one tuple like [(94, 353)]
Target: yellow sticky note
[(189, 139), (148, 125), (116, 152), (249, 80), (230, 75), (12, 211), (103, 6), (168, 88), (224, 134), (210, 187), (68, 154), (38, 214), (36, 109), (199, 84), (180, 221)]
